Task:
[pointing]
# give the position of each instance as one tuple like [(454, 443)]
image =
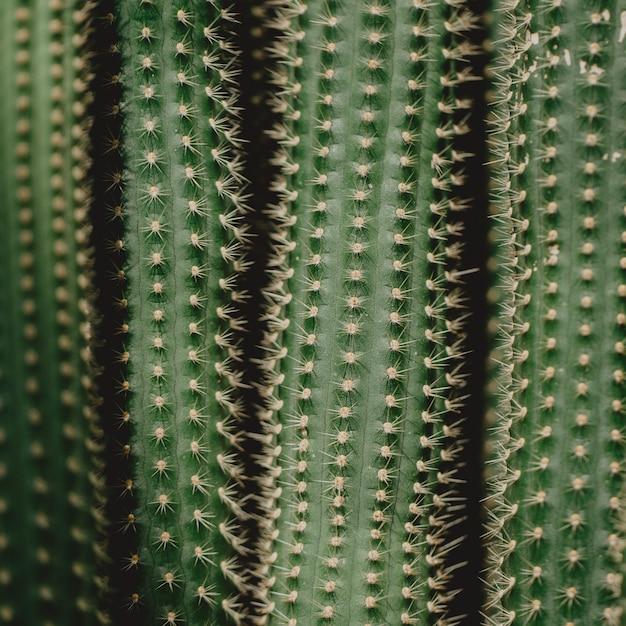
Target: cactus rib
[(51, 486), (556, 500)]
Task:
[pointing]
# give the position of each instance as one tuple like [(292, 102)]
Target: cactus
[(184, 245), (109, 267), (51, 487), (555, 514), (369, 363), (245, 314)]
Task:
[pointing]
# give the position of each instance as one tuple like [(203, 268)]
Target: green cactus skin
[(555, 513), (367, 368), (183, 198), (51, 489)]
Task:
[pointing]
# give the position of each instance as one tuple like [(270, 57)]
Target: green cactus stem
[(366, 362), (247, 238), (555, 514), (51, 491), (184, 247)]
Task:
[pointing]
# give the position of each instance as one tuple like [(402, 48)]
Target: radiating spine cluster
[(555, 513), (377, 281), (183, 201), (51, 487)]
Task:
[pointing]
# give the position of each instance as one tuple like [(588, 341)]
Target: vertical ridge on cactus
[(111, 353), (243, 312), (363, 418), (50, 487), (555, 517), (183, 195)]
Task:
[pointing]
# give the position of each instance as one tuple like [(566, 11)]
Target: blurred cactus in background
[(51, 476), (312, 313)]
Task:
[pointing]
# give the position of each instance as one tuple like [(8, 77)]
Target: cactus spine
[(370, 399), (555, 516), (50, 488)]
